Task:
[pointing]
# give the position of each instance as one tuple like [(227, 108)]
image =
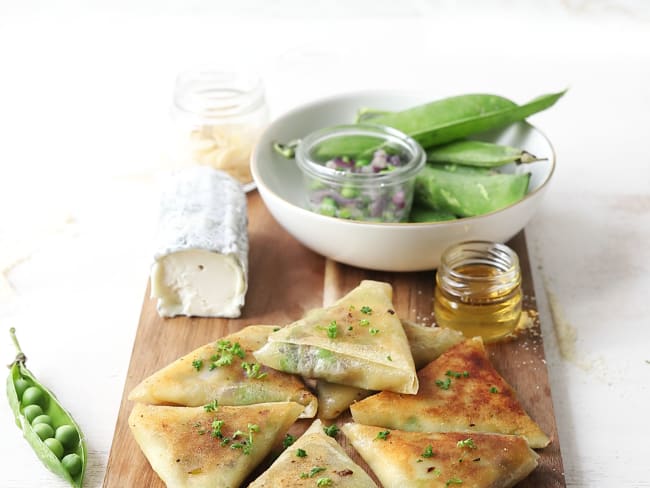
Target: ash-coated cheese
[(201, 258)]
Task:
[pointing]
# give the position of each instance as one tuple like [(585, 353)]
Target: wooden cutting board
[(286, 280)]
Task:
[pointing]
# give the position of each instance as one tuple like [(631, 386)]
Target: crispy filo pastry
[(426, 344), (226, 371), (334, 399), (300, 465), (420, 459), (190, 447), (358, 341), (459, 392)]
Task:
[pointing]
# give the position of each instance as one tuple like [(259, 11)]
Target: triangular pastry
[(459, 392), (426, 344), (226, 371), (190, 447), (419, 459), (314, 456), (358, 341)]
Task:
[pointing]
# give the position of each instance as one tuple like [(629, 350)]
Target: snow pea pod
[(467, 194), (423, 214), (478, 153), (54, 436), (446, 120)]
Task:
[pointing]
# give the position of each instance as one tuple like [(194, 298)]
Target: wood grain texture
[(286, 280)]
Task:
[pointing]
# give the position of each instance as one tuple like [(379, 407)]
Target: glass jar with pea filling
[(478, 290), (218, 117), (360, 172)]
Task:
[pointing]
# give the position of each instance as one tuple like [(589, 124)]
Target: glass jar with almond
[(218, 117)]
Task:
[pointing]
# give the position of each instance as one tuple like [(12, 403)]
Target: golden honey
[(478, 290)]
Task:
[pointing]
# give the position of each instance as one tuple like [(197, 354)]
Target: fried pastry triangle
[(300, 465), (419, 459), (227, 373), (426, 344), (358, 341), (190, 447), (459, 392)]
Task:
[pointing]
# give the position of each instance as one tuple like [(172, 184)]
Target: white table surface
[(84, 96)]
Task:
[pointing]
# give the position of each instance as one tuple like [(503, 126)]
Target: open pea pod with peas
[(50, 430)]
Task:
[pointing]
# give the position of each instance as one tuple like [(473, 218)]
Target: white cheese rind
[(201, 258)]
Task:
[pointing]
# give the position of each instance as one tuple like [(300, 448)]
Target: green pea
[(31, 412), (328, 206), (345, 213), (34, 396), (42, 419), (72, 463), (44, 431), (21, 384), (55, 446), (349, 192), (68, 436)]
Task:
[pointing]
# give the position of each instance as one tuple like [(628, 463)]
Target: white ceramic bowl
[(385, 246)]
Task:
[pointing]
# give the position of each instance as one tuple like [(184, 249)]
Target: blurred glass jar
[(478, 290), (218, 117), (360, 172)]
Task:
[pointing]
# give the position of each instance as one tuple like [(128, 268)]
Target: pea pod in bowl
[(49, 429)]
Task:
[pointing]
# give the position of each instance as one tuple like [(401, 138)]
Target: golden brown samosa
[(226, 371), (426, 344), (459, 392), (195, 447), (358, 341), (314, 456), (419, 459)]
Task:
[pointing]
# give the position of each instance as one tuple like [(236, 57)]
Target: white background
[(85, 89)]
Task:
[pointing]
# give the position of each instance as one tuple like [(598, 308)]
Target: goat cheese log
[(201, 258)]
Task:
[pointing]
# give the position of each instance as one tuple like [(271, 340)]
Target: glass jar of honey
[(478, 290)]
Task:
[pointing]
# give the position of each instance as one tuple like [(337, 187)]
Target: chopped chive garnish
[(288, 440), (428, 452), (332, 430), (383, 435), (466, 443), (212, 406), (456, 374)]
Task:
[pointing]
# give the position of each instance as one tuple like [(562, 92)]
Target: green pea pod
[(423, 214), (479, 154), (46, 425), (461, 168), (445, 120), (466, 194)]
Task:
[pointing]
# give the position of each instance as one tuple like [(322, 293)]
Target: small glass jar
[(478, 290), (218, 117), (360, 172)]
